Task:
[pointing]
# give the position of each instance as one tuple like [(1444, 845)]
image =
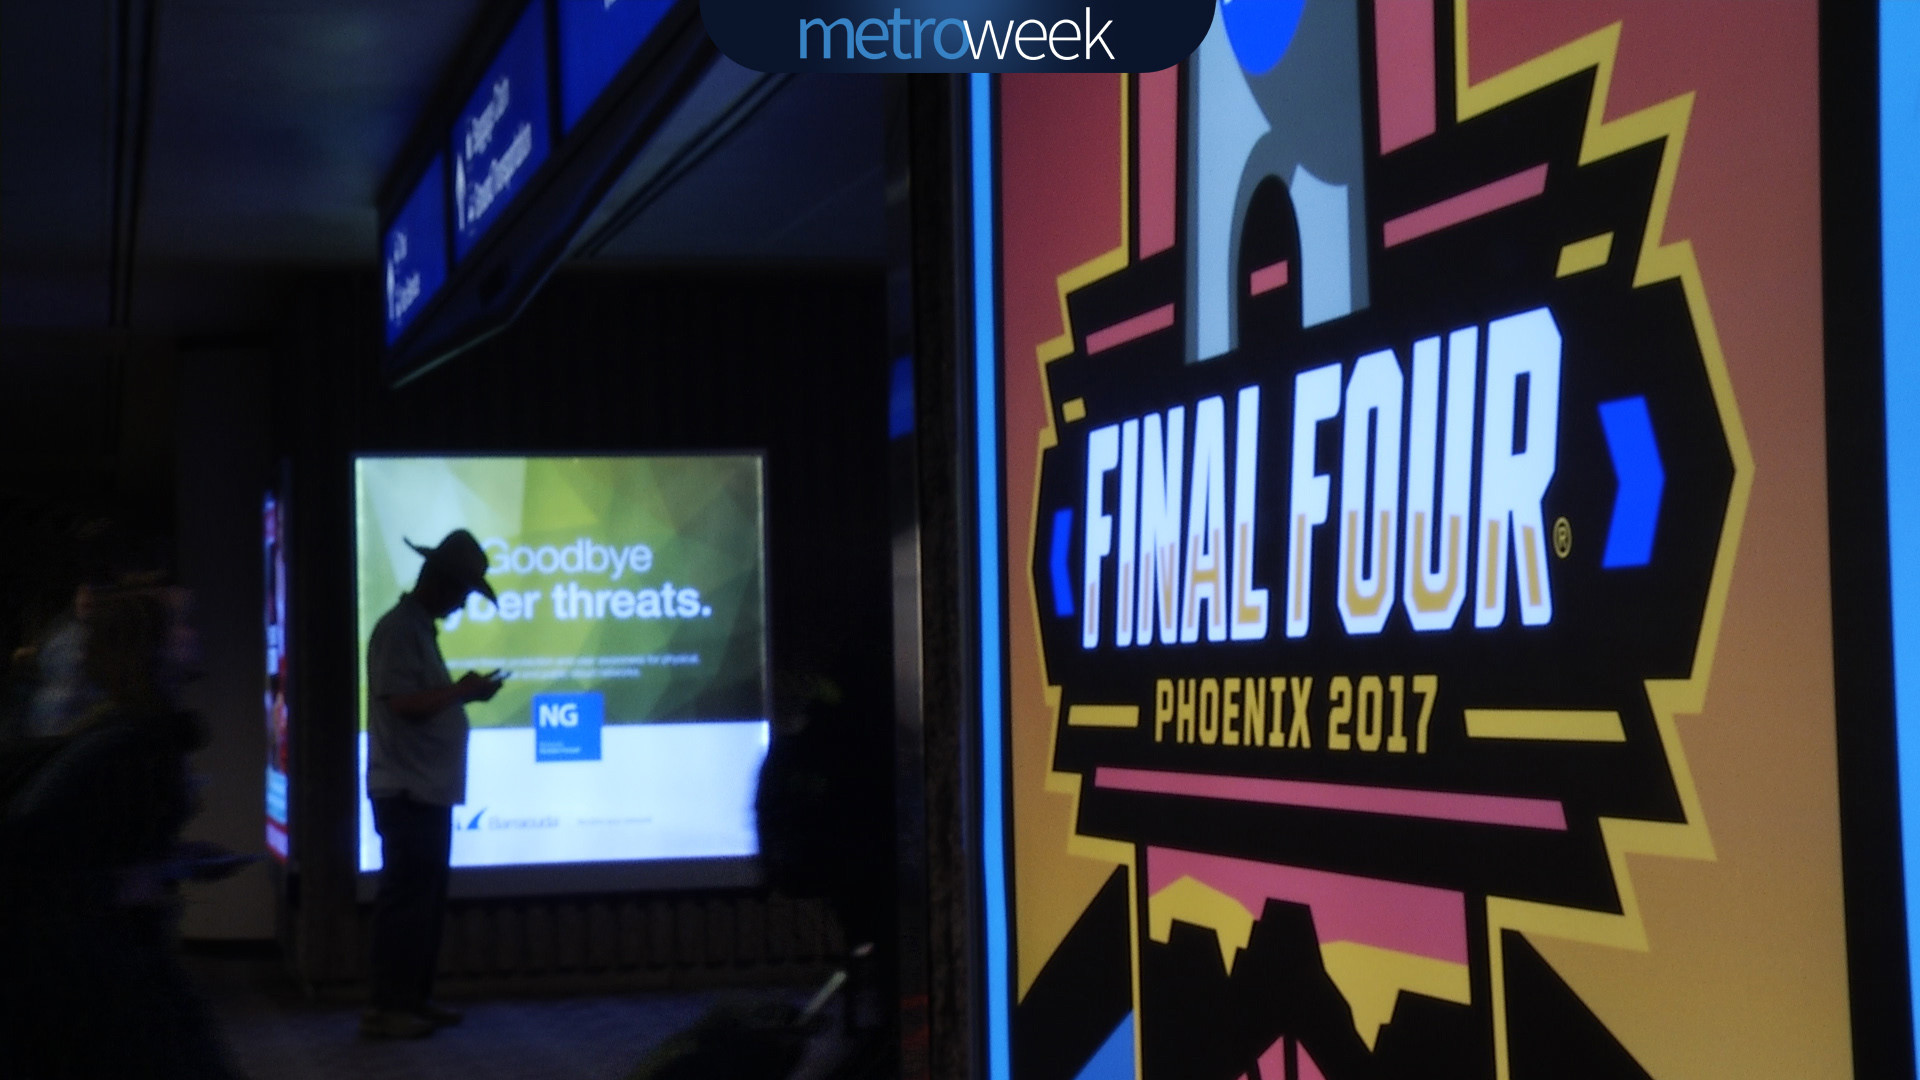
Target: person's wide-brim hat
[(459, 555)]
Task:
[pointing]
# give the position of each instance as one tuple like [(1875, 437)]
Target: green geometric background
[(700, 515)]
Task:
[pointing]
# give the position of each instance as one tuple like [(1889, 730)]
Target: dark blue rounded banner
[(960, 35)]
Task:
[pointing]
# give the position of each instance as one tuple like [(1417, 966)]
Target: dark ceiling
[(269, 128), (801, 179)]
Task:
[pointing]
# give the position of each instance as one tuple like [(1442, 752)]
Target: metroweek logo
[(958, 35), (954, 39)]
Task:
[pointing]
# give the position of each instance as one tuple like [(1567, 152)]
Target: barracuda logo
[(1046, 40)]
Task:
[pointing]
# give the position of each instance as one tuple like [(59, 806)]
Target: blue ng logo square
[(566, 727)]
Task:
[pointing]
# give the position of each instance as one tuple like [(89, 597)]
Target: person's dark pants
[(416, 839)]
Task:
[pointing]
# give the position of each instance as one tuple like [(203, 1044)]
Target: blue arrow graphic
[(1636, 465), (1062, 584)]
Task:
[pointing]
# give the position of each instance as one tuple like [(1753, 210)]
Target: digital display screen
[(504, 133), (596, 39), (1900, 270), (1400, 458), (273, 529), (416, 250), (631, 622)]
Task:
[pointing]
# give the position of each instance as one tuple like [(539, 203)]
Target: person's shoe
[(439, 1015), (391, 1024)]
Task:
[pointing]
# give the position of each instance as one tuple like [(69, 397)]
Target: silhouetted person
[(90, 859), (416, 774), (824, 813), (821, 824)]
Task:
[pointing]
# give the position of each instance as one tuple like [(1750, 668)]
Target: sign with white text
[(416, 250), (630, 622), (505, 132)]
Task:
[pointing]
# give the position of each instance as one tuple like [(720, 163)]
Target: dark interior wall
[(139, 449), (789, 361), (86, 437)]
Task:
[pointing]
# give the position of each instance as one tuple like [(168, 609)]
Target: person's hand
[(197, 860), (142, 884), (474, 686)]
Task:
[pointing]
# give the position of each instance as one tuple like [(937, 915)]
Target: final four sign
[(1384, 513), (1212, 588)]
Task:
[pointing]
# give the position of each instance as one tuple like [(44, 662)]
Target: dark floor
[(277, 1034)]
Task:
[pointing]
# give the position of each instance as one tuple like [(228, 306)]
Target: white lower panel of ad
[(659, 791)]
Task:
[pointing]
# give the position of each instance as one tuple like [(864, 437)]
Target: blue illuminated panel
[(596, 39), (992, 719), (416, 251), (279, 735), (1900, 265), (504, 133)]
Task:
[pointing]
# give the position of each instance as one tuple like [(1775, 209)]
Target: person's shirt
[(421, 757), (64, 695)]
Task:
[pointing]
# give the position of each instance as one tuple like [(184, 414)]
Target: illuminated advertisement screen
[(504, 133), (631, 624), (596, 39), (416, 251), (1900, 269), (273, 529), (1402, 523)]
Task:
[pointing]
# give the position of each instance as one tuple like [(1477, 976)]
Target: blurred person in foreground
[(63, 694), (416, 774), (48, 688), (90, 861)]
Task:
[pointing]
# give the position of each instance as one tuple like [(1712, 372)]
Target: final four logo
[(1382, 528)]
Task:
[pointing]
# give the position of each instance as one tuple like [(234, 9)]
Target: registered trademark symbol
[(1562, 537)]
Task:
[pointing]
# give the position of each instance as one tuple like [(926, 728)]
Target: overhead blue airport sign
[(415, 249), (504, 133), (597, 37), (538, 124)]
